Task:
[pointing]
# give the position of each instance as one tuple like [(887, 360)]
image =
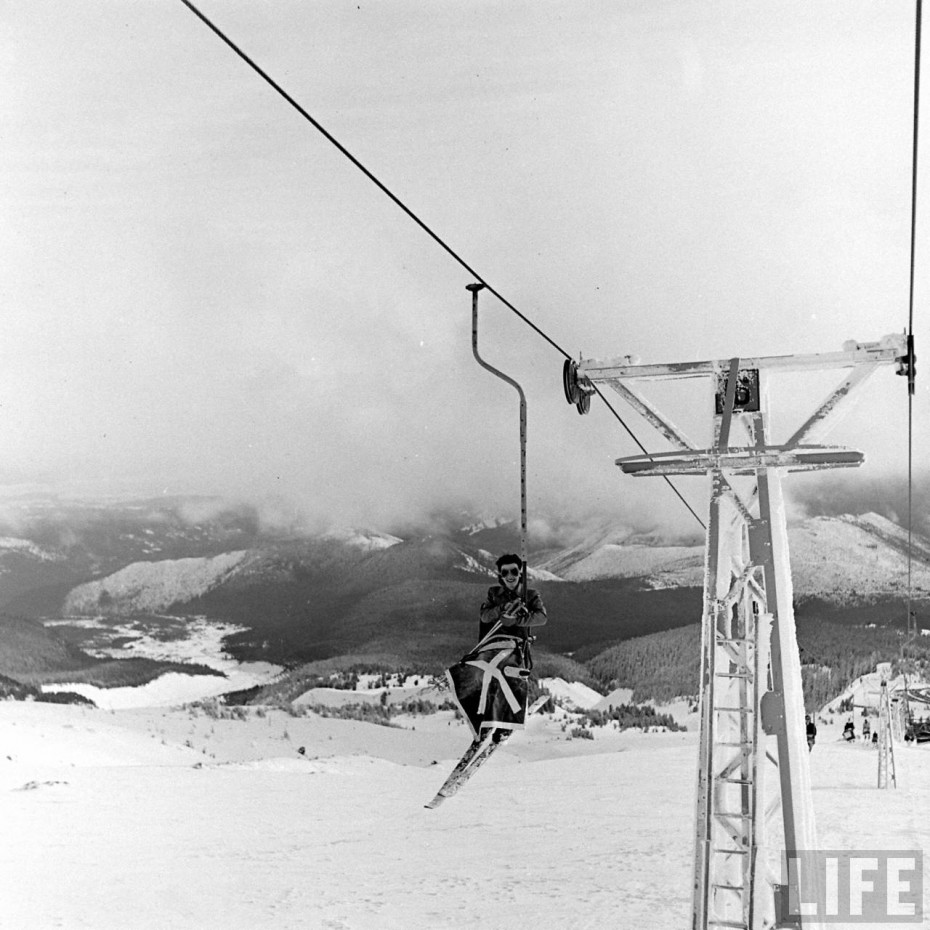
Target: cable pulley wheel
[(570, 381), (574, 393)]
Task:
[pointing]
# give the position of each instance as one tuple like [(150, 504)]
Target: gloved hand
[(514, 612)]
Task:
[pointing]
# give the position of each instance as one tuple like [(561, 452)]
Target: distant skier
[(811, 732), (866, 730), (849, 731)]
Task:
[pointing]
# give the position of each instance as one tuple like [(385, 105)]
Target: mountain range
[(403, 597)]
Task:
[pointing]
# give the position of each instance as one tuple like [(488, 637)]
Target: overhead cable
[(368, 174), (910, 323), (396, 200), (910, 311)]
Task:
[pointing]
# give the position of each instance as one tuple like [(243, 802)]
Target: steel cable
[(910, 325), (398, 202)]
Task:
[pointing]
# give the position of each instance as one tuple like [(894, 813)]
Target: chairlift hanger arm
[(474, 289)]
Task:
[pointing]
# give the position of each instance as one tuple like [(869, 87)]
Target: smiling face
[(509, 574)]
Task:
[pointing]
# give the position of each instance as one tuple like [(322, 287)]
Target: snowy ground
[(158, 818)]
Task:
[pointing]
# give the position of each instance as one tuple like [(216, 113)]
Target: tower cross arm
[(889, 349)]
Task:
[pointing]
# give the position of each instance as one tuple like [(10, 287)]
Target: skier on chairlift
[(505, 604), (507, 613)]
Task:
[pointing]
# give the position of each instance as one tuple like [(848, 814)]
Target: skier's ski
[(457, 776), (456, 782), (475, 756)]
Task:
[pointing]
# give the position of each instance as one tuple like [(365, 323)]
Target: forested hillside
[(665, 665), (661, 666), (834, 656)]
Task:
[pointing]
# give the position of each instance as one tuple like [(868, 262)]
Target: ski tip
[(538, 704), (432, 805)]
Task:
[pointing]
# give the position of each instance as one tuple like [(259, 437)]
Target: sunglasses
[(510, 573)]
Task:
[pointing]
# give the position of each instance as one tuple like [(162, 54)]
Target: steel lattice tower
[(751, 687), (887, 776)]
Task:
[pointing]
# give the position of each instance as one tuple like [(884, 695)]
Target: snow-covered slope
[(843, 558), (571, 694), (660, 566), (619, 553), (152, 586), (26, 547), (154, 820), (365, 539), (849, 558), (865, 691)]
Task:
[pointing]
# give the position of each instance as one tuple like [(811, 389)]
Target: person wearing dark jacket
[(491, 683), (504, 602)]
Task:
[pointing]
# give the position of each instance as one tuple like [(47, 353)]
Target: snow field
[(202, 643), (156, 818), (344, 843)]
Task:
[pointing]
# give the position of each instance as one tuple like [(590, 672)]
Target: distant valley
[(404, 599)]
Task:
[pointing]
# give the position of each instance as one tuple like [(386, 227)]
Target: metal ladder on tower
[(730, 788)]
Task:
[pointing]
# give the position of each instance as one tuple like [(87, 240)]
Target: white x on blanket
[(492, 672)]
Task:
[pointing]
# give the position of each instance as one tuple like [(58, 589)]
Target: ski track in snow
[(112, 822)]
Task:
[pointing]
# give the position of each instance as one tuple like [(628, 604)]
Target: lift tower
[(750, 667), (887, 774)]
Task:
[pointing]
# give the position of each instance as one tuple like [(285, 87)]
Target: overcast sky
[(201, 295)]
